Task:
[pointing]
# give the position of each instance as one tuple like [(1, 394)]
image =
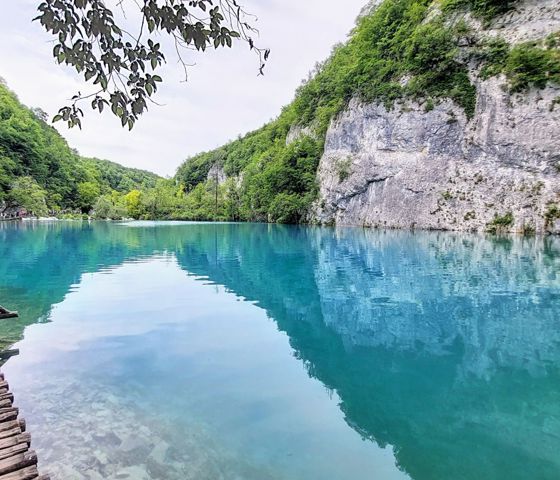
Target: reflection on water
[(256, 351)]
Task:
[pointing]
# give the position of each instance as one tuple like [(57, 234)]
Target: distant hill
[(38, 167), (122, 179)]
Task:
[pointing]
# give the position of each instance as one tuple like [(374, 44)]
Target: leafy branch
[(124, 66)]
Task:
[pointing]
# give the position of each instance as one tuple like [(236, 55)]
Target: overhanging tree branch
[(124, 66)]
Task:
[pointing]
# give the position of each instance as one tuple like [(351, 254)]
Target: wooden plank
[(25, 438), (27, 473), (18, 462), (15, 440), (11, 432), (12, 425), (9, 425), (8, 414), (13, 450)]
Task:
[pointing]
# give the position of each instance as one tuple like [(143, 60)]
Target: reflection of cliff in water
[(445, 346), (426, 338), (496, 300)]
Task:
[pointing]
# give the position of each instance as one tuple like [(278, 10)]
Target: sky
[(223, 98)]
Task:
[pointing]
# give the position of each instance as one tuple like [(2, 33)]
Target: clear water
[(220, 351)]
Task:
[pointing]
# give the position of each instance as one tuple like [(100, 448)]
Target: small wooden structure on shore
[(17, 460), (4, 313)]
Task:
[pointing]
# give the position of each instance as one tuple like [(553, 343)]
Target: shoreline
[(365, 227)]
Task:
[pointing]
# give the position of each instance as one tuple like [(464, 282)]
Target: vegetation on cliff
[(528, 64), (391, 54)]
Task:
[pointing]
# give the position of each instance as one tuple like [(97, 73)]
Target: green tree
[(119, 178), (133, 203), (54, 201), (110, 206), (88, 192), (30, 147), (160, 201), (232, 200), (28, 194), (103, 207)]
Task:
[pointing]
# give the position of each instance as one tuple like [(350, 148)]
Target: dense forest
[(270, 174), (41, 173)]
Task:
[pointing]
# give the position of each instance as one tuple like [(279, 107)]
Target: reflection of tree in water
[(445, 346), (41, 261)]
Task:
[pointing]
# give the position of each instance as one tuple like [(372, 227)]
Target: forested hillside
[(40, 172), (430, 54)]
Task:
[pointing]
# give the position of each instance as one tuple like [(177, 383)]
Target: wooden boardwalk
[(17, 460)]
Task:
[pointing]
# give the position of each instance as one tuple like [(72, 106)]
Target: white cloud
[(223, 98)]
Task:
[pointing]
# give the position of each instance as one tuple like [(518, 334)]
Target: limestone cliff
[(432, 167)]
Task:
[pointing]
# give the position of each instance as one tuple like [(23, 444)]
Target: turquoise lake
[(246, 351)]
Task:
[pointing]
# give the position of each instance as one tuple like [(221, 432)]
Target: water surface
[(223, 351)]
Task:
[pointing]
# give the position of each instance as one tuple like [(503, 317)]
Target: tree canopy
[(123, 65)]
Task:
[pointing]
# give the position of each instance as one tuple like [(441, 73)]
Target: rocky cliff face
[(217, 173), (416, 167)]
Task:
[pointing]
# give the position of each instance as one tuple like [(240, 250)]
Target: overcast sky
[(223, 98)]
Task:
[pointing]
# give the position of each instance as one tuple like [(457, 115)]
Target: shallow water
[(223, 351)]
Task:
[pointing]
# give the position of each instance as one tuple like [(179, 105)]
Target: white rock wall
[(408, 168), (411, 168)]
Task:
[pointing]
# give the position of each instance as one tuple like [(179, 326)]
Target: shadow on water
[(445, 346)]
